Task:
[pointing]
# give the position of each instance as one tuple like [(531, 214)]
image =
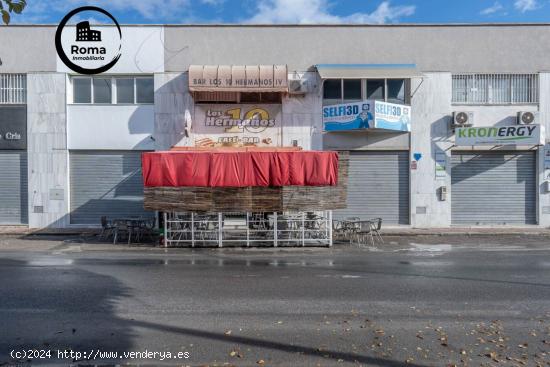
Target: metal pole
[(247, 230), (275, 229), (165, 216), (303, 229), (220, 240), (330, 228), (192, 229)]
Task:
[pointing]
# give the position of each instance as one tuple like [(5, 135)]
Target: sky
[(297, 11)]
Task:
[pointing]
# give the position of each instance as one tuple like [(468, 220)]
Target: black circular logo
[(87, 50)]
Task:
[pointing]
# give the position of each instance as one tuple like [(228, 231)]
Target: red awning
[(240, 168)]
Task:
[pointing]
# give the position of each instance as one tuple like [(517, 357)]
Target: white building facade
[(78, 156)]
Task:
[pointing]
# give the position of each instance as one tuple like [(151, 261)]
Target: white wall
[(47, 150), (302, 119), (142, 51), (111, 127), (431, 109), (544, 197)]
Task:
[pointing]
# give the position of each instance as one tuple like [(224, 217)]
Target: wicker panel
[(251, 199)]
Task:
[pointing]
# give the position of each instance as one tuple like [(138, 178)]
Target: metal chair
[(376, 227), (364, 231), (107, 228), (121, 228)]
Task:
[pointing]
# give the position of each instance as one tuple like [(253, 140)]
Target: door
[(490, 188), (13, 187), (105, 183), (378, 186)]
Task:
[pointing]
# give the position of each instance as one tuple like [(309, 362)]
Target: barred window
[(495, 88), (13, 89)]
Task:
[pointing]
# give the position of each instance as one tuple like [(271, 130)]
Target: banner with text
[(367, 114), (219, 125), (500, 135)]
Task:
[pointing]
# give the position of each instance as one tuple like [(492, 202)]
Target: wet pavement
[(415, 301)]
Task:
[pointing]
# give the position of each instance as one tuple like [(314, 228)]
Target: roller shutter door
[(493, 188), (13, 188), (378, 186), (105, 183)]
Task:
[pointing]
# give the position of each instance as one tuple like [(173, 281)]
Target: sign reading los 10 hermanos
[(218, 125)]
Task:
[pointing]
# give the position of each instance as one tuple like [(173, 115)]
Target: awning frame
[(368, 71)]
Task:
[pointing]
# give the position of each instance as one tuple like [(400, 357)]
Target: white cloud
[(213, 2), (317, 11), (526, 5), (496, 7)]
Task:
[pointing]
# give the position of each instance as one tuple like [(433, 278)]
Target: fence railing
[(495, 88), (248, 229), (13, 89)]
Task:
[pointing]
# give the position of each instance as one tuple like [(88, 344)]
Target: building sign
[(391, 116), (85, 50), (348, 116), (368, 114), (500, 135), (219, 125), (13, 128), (252, 78)]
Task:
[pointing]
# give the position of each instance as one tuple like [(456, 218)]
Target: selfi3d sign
[(367, 114), (500, 135)]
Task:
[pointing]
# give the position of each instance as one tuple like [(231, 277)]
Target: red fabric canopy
[(240, 169)]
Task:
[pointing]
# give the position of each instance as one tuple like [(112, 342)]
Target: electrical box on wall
[(442, 193)]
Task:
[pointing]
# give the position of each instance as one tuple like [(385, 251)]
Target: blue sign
[(368, 114), (391, 116), (348, 116)]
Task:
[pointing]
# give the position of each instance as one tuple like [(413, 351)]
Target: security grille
[(495, 88), (13, 89)]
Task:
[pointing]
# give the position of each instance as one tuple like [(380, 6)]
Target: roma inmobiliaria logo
[(85, 48)]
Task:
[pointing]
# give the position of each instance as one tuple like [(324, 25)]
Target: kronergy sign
[(500, 135)]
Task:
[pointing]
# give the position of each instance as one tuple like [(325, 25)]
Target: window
[(102, 90), (376, 89), (352, 89), (145, 90), (495, 88), (113, 90), (332, 89), (13, 89), (82, 90), (396, 91), (124, 90)]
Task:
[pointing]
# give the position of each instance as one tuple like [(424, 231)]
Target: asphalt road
[(415, 302)]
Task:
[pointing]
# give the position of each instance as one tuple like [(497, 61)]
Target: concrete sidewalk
[(388, 231)]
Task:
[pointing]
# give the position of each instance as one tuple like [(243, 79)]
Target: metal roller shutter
[(13, 187), (378, 187), (493, 188), (105, 183)]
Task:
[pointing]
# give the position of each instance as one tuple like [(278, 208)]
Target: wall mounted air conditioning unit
[(297, 84), (527, 118), (462, 119)]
